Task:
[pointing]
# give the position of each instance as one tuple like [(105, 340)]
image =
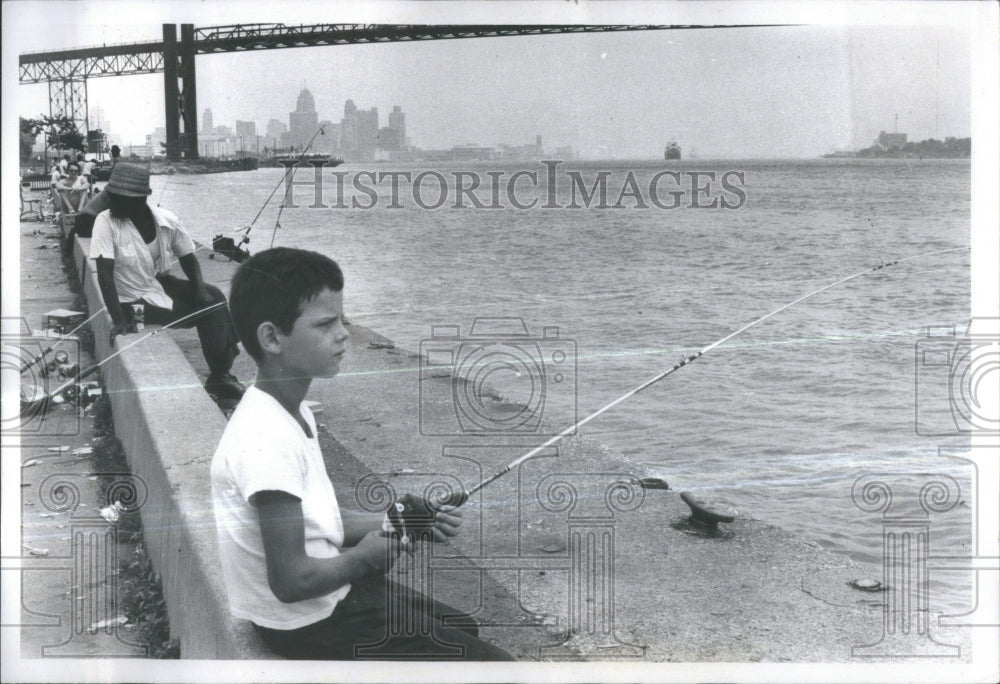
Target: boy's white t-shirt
[(264, 449)]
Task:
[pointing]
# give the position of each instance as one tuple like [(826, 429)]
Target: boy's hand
[(419, 519), (446, 523), (378, 550)]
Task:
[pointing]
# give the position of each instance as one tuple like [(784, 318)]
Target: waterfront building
[(329, 141), (565, 153), (389, 139), (157, 141), (246, 135), (206, 122), (471, 151), (246, 129), (397, 122), (523, 152), (887, 141), (359, 132)]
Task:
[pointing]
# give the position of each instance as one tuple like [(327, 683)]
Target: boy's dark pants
[(216, 329), (369, 625)]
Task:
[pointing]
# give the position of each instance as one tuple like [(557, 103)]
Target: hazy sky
[(794, 91)]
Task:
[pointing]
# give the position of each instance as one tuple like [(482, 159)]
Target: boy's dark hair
[(274, 285)]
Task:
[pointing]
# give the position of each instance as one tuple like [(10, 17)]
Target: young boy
[(310, 579)]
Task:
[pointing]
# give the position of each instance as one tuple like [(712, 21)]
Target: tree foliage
[(61, 133), (951, 148)]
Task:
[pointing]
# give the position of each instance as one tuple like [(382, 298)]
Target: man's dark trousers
[(216, 329)]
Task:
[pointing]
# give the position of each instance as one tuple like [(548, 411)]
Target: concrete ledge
[(169, 428)]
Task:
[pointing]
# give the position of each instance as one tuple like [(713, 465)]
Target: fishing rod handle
[(453, 499)]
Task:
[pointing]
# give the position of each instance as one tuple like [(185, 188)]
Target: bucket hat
[(129, 180)]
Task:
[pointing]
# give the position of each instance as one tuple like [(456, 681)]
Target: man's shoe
[(224, 386)]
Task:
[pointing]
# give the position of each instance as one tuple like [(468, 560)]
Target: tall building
[(328, 140), (246, 129), (397, 122), (348, 130), (276, 130), (367, 132), (206, 122), (303, 122)]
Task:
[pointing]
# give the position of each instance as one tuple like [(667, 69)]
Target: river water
[(781, 421)]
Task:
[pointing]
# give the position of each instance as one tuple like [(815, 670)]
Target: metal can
[(139, 316)]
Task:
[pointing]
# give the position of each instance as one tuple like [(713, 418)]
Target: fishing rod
[(249, 227), (44, 401), (281, 207), (62, 339), (170, 175), (398, 515)]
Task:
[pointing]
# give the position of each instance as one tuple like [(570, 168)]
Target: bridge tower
[(180, 93), (68, 97)]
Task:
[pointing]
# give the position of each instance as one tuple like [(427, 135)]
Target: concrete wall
[(169, 428)]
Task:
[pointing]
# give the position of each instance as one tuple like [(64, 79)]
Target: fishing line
[(44, 401), (159, 199), (458, 498)]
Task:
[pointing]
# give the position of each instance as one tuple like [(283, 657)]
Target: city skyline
[(358, 136), (787, 91)]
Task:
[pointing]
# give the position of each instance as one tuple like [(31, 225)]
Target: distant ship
[(672, 151), (319, 159), (314, 159)]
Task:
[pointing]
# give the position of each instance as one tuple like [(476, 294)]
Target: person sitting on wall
[(134, 246), (310, 576), (73, 190)]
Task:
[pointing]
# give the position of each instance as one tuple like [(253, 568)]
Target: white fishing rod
[(458, 498), (47, 398), (246, 230)]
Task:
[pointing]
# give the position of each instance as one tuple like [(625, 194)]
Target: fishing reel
[(230, 249), (59, 367), (412, 517)]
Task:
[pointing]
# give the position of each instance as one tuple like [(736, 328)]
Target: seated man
[(134, 246), (73, 191), (311, 577)]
